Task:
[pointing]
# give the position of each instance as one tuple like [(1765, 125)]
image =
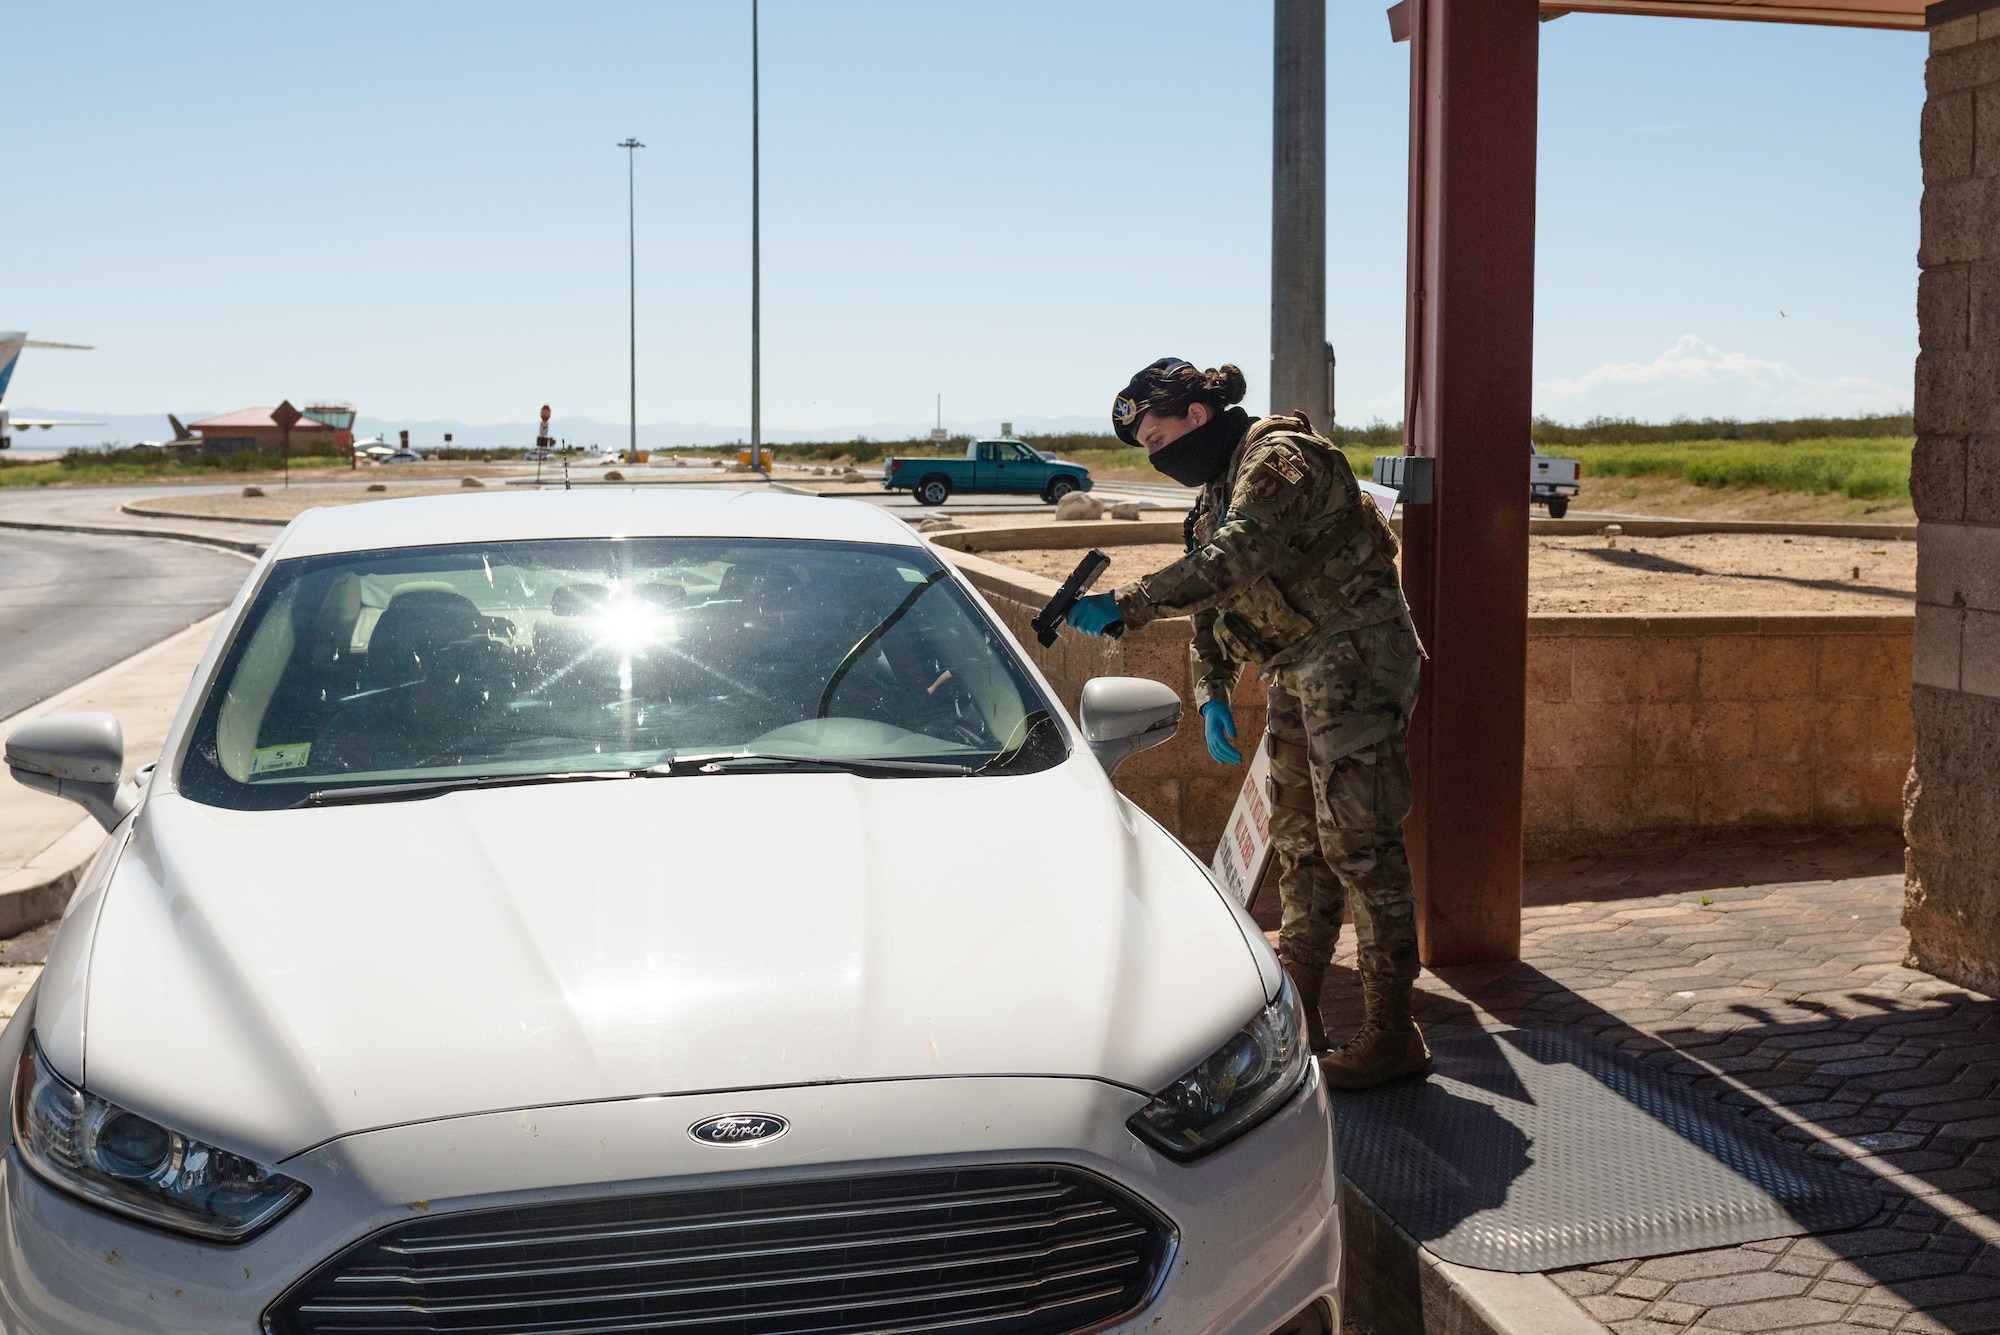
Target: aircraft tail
[(10, 353), (180, 432)]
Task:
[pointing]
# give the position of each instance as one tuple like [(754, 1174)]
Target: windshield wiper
[(1030, 725), (723, 762), (862, 645), (419, 788)]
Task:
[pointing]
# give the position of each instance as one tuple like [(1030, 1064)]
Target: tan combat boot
[(1388, 1045), (1308, 984)]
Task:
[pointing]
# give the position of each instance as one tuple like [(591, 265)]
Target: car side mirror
[(77, 756), (1123, 716)]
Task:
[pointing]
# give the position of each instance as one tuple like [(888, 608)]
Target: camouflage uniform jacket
[(1284, 549)]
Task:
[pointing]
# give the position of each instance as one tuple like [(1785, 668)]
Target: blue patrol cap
[(1132, 402)]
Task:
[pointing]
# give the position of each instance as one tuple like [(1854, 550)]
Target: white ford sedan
[(563, 914)]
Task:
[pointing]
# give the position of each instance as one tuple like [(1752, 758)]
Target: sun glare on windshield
[(526, 658)]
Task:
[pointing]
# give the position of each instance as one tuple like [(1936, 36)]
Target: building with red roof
[(253, 429)]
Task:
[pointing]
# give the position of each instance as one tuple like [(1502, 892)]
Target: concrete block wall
[(1176, 783), (1652, 727), (1952, 801), (1639, 728)]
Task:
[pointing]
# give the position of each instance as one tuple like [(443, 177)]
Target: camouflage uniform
[(1290, 566)]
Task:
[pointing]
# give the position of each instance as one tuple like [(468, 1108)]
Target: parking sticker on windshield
[(268, 759)]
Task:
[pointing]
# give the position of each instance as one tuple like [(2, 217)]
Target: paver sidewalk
[(1772, 978)]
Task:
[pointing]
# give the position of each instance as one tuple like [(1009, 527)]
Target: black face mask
[(1198, 458)]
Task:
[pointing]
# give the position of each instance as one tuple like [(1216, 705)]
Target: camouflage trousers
[(1338, 733)]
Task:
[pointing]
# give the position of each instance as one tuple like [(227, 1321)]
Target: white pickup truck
[(1552, 481)]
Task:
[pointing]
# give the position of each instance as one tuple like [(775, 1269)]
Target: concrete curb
[(1395, 1287), (244, 546), (32, 895), (1680, 528), (39, 889), (144, 511)]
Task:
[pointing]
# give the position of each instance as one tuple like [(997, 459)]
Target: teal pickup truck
[(988, 465)]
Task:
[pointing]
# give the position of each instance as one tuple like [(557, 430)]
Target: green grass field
[(1864, 468), (80, 467), (1872, 467)]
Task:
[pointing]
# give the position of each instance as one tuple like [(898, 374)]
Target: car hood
[(273, 979)]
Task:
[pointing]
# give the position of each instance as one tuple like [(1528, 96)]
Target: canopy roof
[(1841, 13)]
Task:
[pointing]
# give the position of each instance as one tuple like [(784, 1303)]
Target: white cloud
[(1696, 379)]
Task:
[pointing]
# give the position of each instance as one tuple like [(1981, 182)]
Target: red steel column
[(1467, 371)]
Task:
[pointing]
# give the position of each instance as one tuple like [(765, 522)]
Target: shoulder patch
[(1285, 468)]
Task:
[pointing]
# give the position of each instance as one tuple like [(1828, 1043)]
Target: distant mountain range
[(429, 433)]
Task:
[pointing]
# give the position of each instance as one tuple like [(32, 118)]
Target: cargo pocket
[(1395, 661), (1370, 789), (1268, 624)]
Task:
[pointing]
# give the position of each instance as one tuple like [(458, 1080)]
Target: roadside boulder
[(1125, 510), (378, 486), (470, 482), (938, 524), (614, 476), (1077, 505), (250, 493)]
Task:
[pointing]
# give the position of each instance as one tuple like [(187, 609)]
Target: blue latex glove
[(1218, 728), (1093, 612)]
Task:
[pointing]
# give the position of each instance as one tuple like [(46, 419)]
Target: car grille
[(1027, 1249)]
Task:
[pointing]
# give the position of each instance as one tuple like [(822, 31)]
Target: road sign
[(287, 417), (939, 436), (545, 419)]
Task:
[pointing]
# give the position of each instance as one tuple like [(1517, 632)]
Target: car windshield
[(511, 660)]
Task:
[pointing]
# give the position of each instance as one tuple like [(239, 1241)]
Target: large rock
[(1125, 510), (1077, 505)]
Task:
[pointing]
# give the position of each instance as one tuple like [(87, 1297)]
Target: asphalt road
[(72, 604)]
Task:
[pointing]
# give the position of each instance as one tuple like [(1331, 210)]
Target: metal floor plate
[(1530, 1150)]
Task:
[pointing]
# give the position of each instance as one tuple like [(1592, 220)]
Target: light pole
[(756, 272), (1298, 208), (632, 247)]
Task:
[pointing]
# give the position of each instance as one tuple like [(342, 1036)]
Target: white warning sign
[(1246, 840)]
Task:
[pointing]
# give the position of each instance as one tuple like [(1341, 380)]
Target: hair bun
[(1227, 382)]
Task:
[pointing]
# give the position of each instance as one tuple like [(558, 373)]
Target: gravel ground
[(278, 503), (1708, 572)]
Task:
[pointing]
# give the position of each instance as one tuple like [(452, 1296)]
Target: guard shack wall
[(1952, 826), (1641, 729)]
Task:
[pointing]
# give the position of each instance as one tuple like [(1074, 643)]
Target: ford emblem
[(739, 1129)]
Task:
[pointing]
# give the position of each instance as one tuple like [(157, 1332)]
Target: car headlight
[(1240, 1084), (134, 1166)]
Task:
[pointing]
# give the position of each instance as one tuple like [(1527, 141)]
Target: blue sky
[(420, 208)]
